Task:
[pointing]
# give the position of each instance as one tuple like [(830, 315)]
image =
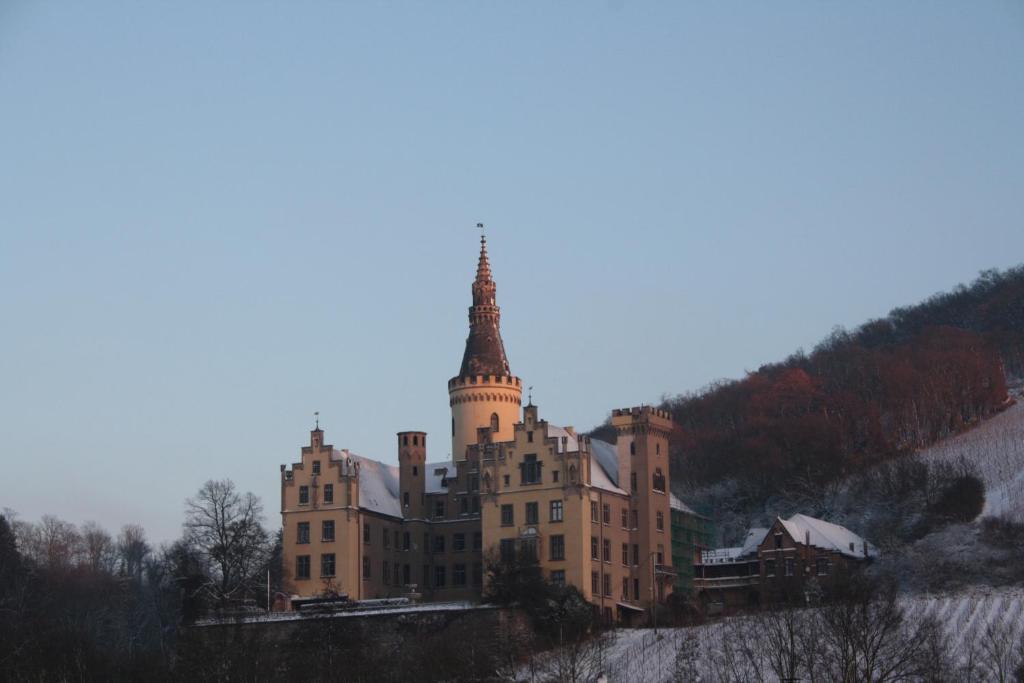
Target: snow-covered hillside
[(973, 624), (996, 447)]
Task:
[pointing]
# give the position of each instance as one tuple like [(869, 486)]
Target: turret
[(412, 459), (484, 393)]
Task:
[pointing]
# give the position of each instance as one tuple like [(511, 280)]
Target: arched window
[(659, 480), (494, 423)]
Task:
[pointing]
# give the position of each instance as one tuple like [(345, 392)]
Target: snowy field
[(715, 652), (996, 447)]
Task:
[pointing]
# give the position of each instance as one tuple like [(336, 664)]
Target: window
[(558, 577), (508, 549), (398, 543), (608, 585), (415, 471), (528, 549), (495, 423), (625, 588), (303, 495), (478, 540), (426, 575), (657, 449), (366, 568), (769, 567), (606, 548), (507, 515), (328, 493), (385, 572), (426, 543), (385, 537), (439, 577), (303, 535), (823, 566), (556, 511), (557, 548), (778, 541), (406, 574), (554, 476), (327, 530), (632, 482), (594, 586), (659, 520), (606, 513), (529, 437), (625, 518), (302, 567), (636, 589), (439, 507), (661, 554), (405, 499), (316, 467), (504, 480), (459, 542), (636, 555), (474, 482), (593, 548), (658, 480), (530, 470), (635, 519), (532, 515), (439, 543), (463, 505), (478, 574), (632, 447), (593, 512), (476, 505), (790, 566), (459, 575), (366, 534), (406, 542), (625, 554), (327, 564)]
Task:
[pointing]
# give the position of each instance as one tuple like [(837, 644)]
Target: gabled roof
[(378, 484), (827, 536)]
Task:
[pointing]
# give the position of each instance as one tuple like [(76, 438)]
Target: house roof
[(828, 536)]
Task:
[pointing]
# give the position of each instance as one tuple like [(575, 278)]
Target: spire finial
[(483, 269), (316, 415), (529, 396)]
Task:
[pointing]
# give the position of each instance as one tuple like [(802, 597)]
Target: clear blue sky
[(218, 217)]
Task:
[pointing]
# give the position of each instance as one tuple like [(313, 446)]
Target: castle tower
[(484, 393), (642, 448), (412, 461)]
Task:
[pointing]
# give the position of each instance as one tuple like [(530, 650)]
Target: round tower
[(484, 393)]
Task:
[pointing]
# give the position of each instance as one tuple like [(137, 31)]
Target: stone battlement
[(476, 380)]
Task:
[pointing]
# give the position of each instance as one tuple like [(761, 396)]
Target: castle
[(595, 515)]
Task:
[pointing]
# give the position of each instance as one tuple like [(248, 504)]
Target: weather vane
[(317, 416), (529, 396), (481, 226)]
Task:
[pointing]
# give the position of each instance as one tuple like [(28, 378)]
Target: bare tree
[(999, 651), (132, 549), (225, 526), (98, 552), (57, 543)]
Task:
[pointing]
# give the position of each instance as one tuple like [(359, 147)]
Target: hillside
[(996, 448), (976, 629)]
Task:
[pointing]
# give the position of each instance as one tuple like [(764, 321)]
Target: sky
[(218, 218)]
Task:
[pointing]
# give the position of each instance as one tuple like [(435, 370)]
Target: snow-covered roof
[(827, 535), (677, 504), (606, 475), (571, 444), (435, 473), (378, 484), (755, 537)]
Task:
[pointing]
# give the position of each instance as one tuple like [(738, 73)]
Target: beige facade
[(595, 514)]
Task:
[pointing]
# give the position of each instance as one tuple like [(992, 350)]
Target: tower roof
[(485, 352)]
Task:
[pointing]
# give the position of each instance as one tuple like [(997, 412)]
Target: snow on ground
[(996, 447), (637, 656)]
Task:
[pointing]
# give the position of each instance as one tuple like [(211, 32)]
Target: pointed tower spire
[(485, 352)]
